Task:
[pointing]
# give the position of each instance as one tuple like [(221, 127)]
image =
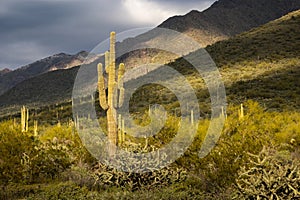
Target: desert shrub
[(24, 158), (63, 191), (67, 136), (18, 191), (13, 146), (47, 161), (271, 175), (59, 132)]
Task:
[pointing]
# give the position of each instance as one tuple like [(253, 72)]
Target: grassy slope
[(276, 40)]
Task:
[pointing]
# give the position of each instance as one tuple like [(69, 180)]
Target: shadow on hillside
[(277, 90)]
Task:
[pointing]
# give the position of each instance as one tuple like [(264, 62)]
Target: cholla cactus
[(269, 177), (115, 94), (105, 176)]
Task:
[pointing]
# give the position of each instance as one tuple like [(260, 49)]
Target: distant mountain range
[(50, 80), (10, 78)]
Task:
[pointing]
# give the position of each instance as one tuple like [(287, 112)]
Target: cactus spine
[(115, 94), (24, 119)]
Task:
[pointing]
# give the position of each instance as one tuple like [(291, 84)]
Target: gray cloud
[(33, 29)]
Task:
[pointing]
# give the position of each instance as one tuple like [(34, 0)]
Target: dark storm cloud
[(33, 29)]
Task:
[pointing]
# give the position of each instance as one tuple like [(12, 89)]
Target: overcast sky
[(34, 29)]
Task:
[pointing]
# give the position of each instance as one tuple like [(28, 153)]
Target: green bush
[(24, 158), (14, 145)]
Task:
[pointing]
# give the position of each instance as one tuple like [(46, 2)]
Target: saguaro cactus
[(114, 99), (241, 112), (24, 119), (35, 128), (192, 117)]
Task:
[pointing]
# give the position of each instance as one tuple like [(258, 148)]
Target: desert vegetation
[(55, 164)]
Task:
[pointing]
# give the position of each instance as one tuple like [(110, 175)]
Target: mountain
[(4, 71), (9, 79), (268, 54), (226, 18)]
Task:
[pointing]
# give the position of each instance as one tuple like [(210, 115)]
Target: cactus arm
[(121, 96), (107, 61), (120, 83), (101, 88), (121, 72)]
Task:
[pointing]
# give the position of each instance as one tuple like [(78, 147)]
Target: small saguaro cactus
[(241, 112), (223, 113), (192, 117), (35, 128), (24, 119), (115, 97)]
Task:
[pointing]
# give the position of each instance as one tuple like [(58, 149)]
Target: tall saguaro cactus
[(24, 119), (115, 96)]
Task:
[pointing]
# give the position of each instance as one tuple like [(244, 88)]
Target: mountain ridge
[(51, 63), (4, 71), (226, 18)]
